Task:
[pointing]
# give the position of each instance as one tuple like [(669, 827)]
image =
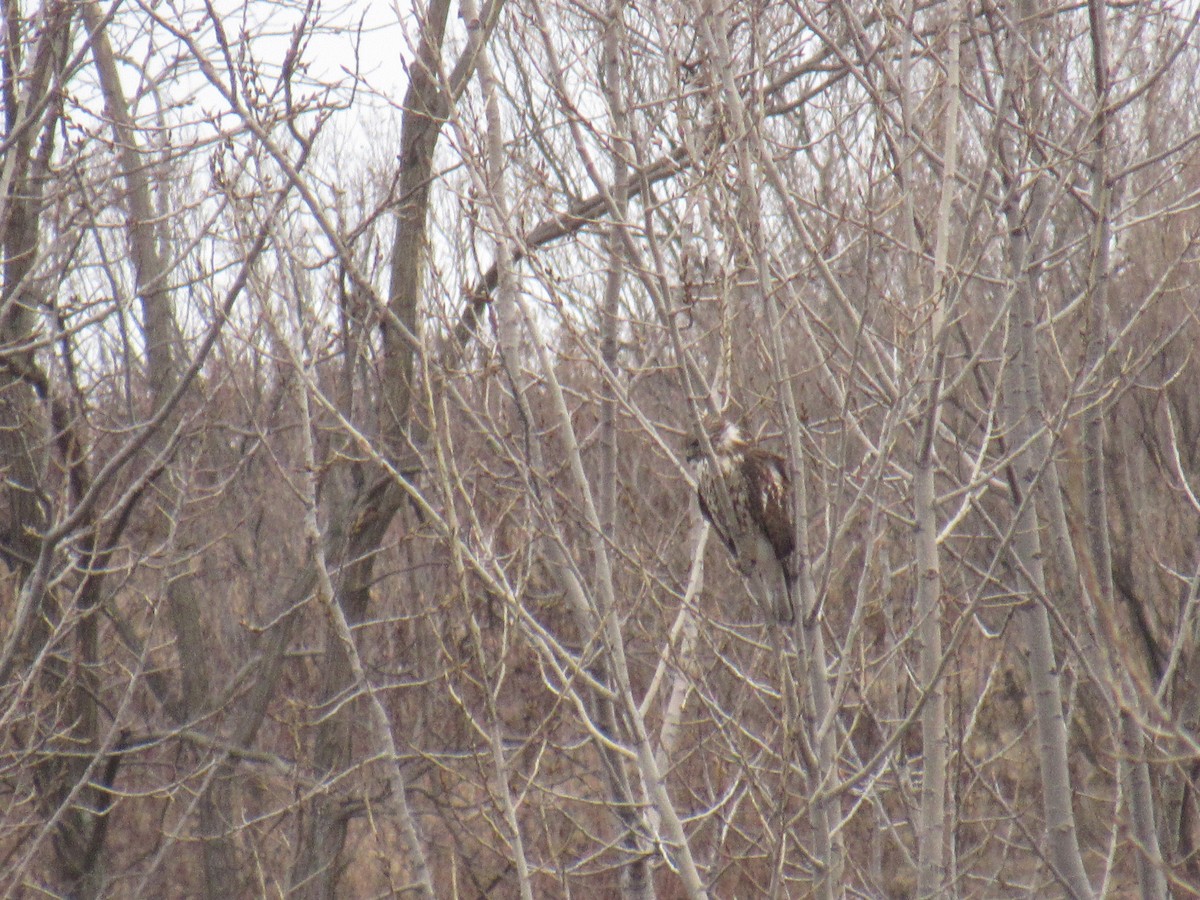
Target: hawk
[(757, 527)]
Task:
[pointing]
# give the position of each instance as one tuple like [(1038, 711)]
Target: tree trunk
[(317, 863), (1134, 768)]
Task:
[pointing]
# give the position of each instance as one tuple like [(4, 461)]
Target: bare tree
[(346, 547)]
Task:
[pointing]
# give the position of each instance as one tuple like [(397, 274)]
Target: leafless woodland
[(346, 546)]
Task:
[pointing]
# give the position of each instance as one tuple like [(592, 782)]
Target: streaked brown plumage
[(757, 531)]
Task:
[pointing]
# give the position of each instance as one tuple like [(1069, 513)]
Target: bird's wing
[(771, 499), (726, 539)]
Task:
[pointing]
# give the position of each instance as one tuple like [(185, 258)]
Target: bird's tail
[(783, 597)]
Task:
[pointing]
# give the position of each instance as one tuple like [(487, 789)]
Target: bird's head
[(725, 437)]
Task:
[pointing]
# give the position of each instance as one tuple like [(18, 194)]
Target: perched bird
[(756, 525)]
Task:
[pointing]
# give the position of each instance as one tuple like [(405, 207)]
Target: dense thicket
[(346, 363)]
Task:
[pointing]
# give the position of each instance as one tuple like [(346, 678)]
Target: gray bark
[(931, 837), (1134, 768)]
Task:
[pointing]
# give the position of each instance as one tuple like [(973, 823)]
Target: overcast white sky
[(372, 39)]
